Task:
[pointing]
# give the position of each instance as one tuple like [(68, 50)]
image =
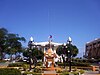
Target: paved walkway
[(92, 73), (4, 64), (50, 73)]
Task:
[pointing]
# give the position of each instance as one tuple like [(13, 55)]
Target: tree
[(74, 51), (62, 50), (3, 37), (38, 54), (35, 54), (14, 44), (10, 43), (59, 50)]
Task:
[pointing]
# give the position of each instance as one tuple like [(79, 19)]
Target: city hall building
[(92, 49), (44, 46)]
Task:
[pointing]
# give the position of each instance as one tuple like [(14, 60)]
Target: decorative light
[(31, 39), (69, 39)]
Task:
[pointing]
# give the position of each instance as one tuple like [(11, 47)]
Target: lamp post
[(69, 53), (30, 52), (64, 54)]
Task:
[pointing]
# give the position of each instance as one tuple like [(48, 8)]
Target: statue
[(49, 57)]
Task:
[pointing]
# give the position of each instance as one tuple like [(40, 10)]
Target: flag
[(50, 36)]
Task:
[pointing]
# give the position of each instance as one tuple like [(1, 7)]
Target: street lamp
[(69, 53), (64, 54), (30, 52)]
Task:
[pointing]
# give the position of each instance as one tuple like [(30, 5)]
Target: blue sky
[(79, 19)]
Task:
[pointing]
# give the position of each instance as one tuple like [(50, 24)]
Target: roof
[(94, 41), (46, 43)]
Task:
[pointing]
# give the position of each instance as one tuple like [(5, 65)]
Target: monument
[(49, 58), (49, 61)]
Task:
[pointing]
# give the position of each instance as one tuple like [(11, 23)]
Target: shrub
[(75, 64), (39, 64), (2, 61), (80, 64), (25, 66), (9, 71), (75, 73), (65, 73), (70, 73), (37, 70), (58, 70), (15, 65), (26, 73), (81, 71)]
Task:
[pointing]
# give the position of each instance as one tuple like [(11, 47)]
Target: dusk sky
[(79, 19)]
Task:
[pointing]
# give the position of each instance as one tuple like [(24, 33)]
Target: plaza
[(49, 37), (52, 63)]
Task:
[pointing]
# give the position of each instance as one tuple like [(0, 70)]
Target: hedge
[(39, 64), (16, 65), (9, 71), (68, 73), (72, 73), (29, 73), (75, 64)]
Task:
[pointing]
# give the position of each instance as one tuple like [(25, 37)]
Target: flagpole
[(50, 41)]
